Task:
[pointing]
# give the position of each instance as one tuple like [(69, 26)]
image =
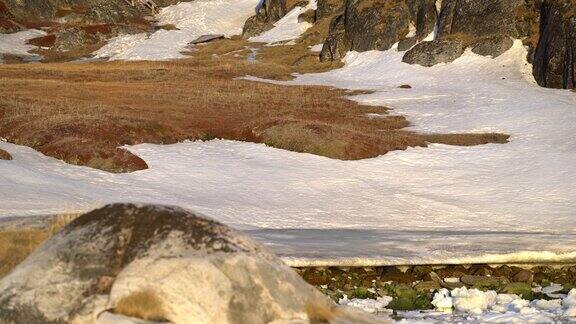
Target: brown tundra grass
[(144, 305), (83, 112), (16, 244)]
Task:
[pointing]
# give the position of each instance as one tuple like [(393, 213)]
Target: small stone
[(427, 286), (405, 86), (395, 275), (524, 276)]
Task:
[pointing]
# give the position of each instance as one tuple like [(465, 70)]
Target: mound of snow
[(193, 19)]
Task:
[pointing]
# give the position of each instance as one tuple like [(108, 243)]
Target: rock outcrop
[(487, 27), (434, 52), (377, 25), (196, 269), (267, 14), (555, 55)]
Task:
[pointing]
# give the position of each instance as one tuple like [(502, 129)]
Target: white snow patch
[(372, 306), (317, 48), (287, 28), (15, 43), (194, 19)]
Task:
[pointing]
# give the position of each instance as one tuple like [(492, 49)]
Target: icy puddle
[(443, 204)]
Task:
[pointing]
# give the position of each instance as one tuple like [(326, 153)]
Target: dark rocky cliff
[(555, 54), (547, 27)]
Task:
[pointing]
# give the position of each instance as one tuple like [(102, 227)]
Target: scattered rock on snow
[(201, 270)]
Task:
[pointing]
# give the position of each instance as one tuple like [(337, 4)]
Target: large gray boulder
[(199, 270), (434, 52)]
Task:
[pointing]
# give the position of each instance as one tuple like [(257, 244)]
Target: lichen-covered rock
[(327, 8), (377, 25), (555, 56), (434, 52), (201, 271), (478, 18), (492, 46)]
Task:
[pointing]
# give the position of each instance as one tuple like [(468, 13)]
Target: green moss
[(407, 298), (363, 293), (521, 289)]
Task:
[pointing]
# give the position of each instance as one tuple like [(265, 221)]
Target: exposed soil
[(83, 112)]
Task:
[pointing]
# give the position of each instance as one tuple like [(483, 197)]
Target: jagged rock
[(201, 271), (336, 45), (486, 26), (434, 52), (327, 8), (555, 56), (407, 43), (478, 18), (36, 11), (270, 12), (492, 46), (377, 25)]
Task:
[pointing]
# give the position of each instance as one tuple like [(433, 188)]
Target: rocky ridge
[(486, 27)]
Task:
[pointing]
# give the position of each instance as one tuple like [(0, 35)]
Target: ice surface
[(193, 19)]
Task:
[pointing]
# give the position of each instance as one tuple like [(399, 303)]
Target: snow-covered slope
[(495, 203), (287, 28), (193, 19)]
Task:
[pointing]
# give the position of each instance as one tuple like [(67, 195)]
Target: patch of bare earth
[(83, 113)]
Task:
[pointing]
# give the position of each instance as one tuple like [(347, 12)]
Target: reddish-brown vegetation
[(82, 113)]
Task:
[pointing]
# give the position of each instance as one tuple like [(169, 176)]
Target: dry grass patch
[(144, 305), (82, 113), (17, 244)]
